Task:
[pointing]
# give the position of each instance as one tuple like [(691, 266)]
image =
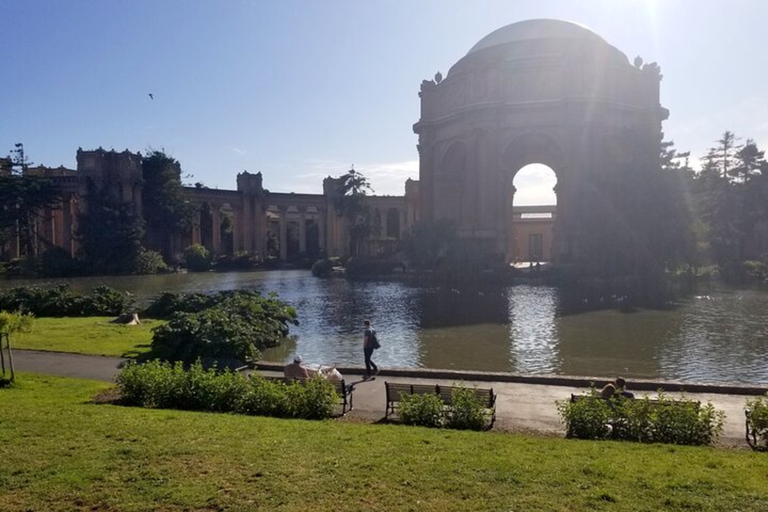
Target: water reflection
[(722, 337), (533, 329)]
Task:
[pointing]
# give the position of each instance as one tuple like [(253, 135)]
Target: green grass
[(91, 335), (59, 452)]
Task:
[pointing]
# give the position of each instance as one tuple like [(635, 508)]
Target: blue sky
[(301, 90)]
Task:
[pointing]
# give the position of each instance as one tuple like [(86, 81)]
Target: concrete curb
[(545, 380)]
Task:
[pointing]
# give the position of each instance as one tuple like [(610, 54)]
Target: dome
[(536, 29)]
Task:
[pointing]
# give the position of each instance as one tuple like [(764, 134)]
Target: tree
[(22, 198), (166, 212), (351, 203), (426, 244), (109, 233)]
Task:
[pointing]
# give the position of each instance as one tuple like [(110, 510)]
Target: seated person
[(608, 391), (621, 387), (294, 370)]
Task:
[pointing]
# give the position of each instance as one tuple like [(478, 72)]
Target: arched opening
[(533, 216)]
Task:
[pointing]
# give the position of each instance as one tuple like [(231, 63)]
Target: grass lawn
[(59, 452), (90, 335)]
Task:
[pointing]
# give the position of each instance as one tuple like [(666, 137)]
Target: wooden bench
[(344, 391), (655, 403), (396, 391)]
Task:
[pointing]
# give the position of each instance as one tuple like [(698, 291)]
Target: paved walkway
[(67, 365), (519, 406)]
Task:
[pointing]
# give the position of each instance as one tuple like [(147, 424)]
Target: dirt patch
[(108, 396)]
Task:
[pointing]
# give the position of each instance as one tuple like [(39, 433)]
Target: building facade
[(538, 91), (249, 219)]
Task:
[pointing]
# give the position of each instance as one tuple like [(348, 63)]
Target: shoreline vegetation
[(60, 450)]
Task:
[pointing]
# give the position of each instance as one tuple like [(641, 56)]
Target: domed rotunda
[(537, 91)]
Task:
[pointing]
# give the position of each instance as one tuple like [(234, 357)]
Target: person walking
[(370, 343)]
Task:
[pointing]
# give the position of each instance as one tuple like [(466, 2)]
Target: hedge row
[(467, 411), (163, 385), (663, 420), (61, 301)]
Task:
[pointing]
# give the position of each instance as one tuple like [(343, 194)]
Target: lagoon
[(719, 337)]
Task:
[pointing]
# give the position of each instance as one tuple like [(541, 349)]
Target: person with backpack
[(370, 343)]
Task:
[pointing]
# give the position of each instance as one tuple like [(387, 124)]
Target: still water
[(719, 337)]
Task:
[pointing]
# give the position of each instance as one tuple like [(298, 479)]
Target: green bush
[(467, 411), (586, 418), (241, 260), (664, 420), (61, 301), (164, 385), (11, 322), (150, 262), (57, 262), (198, 258), (366, 267), (238, 327), (758, 421), (422, 410), (169, 303)]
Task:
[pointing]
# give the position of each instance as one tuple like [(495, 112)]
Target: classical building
[(538, 91), (250, 218)]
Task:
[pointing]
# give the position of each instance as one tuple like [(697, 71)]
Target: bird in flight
[(151, 96)]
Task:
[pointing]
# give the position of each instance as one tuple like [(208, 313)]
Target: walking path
[(520, 406)]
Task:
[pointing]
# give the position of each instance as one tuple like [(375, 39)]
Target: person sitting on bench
[(294, 370), (621, 388)]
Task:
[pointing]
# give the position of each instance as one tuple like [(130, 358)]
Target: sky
[(301, 90)]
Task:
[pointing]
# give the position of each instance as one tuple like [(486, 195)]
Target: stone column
[(264, 227), (383, 217), (258, 227), (283, 233), (321, 229), (237, 229), (248, 223), (49, 228), (302, 229), (196, 228), (403, 222), (66, 228), (216, 228)]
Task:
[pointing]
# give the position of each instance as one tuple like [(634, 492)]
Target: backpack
[(374, 340)]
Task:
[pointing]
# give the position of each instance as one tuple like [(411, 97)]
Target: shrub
[(758, 422), (11, 322), (467, 410), (422, 410), (324, 267), (106, 301), (57, 262), (241, 260), (264, 397), (164, 385), (238, 327), (311, 400), (586, 419), (664, 420), (198, 258), (61, 301), (150, 262), (169, 303), (364, 267)]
